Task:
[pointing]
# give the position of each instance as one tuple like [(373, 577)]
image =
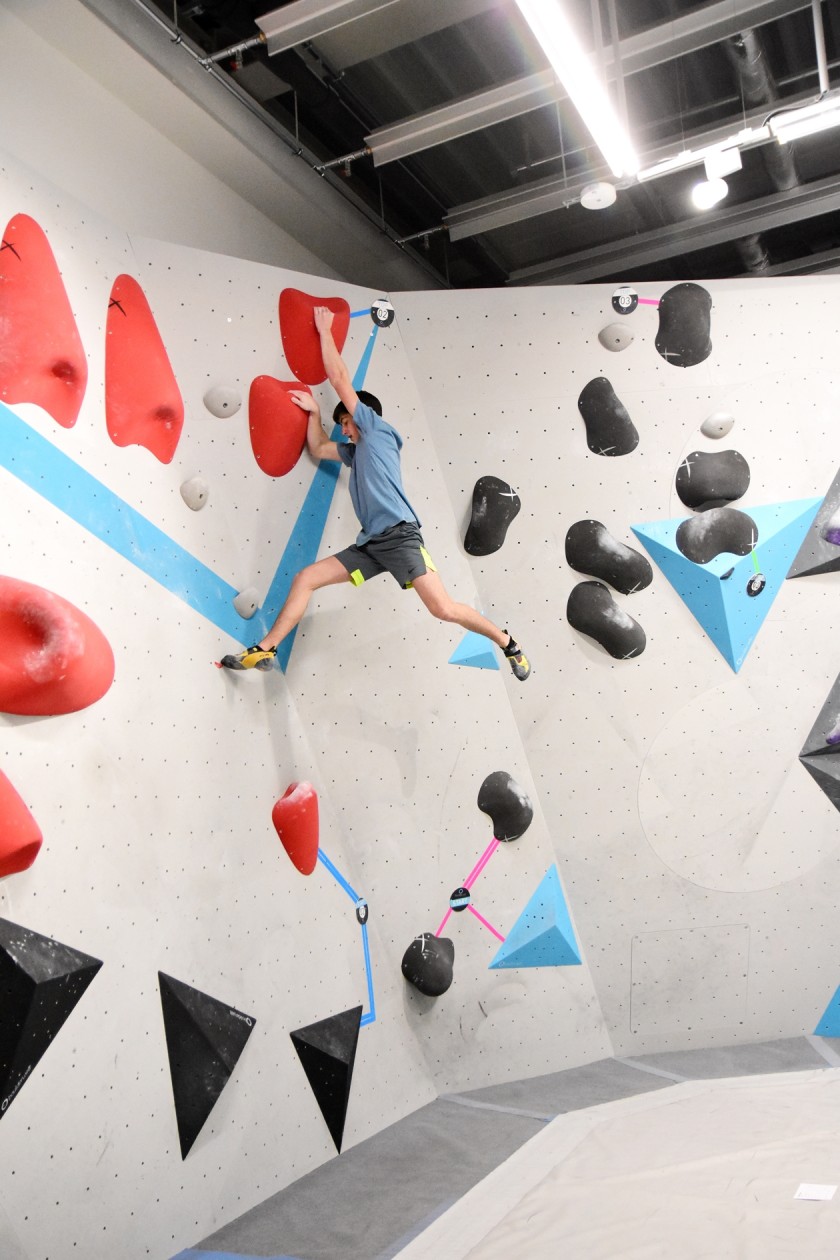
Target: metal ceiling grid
[(447, 122)]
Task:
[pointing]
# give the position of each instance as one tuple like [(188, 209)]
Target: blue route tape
[(305, 538), (64, 483), (369, 1016), (336, 874), (61, 481)]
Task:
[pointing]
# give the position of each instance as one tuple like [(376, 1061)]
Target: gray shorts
[(398, 551)]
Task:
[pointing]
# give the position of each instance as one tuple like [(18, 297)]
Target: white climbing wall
[(699, 859), (159, 853)]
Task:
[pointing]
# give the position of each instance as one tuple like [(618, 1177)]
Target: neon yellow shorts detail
[(398, 551)]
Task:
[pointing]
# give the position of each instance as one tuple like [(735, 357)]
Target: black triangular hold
[(327, 1051), (824, 736), (41, 981), (204, 1039), (826, 773)]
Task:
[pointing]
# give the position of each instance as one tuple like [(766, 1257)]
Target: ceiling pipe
[(819, 40), (746, 52)]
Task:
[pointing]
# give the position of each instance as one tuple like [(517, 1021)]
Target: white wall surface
[(648, 768), (155, 803)]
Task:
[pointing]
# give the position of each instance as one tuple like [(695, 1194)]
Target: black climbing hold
[(711, 479), (609, 429), (728, 574), (428, 964), (327, 1051), (625, 300), (460, 899), (756, 585), (382, 312), (494, 505), (684, 315), (509, 807), (41, 982), (701, 538), (590, 548), (204, 1039), (362, 910), (592, 610)]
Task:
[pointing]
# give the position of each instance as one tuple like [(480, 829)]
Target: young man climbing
[(390, 539)]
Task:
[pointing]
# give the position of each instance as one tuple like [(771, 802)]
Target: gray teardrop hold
[(717, 425), (247, 602), (195, 493), (615, 337), (222, 401)]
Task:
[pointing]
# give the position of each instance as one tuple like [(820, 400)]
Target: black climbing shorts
[(398, 551)]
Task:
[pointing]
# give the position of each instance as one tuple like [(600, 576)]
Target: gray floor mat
[(372, 1200)]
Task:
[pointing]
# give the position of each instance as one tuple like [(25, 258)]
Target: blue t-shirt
[(376, 488)]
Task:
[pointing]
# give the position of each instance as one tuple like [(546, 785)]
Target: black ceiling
[(691, 72)]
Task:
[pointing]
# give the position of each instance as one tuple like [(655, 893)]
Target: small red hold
[(143, 405), (53, 658), (20, 835), (42, 359), (277, 425), (301, 343), (295, 818)]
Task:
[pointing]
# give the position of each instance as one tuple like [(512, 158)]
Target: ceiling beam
[(713, 228), (400, 24), (556, 193), (307, 19), (649, 48)]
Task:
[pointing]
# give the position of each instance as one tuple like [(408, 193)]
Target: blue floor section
[(225, 1255)]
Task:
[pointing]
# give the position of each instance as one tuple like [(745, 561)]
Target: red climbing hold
[(53, 658), (295, 818), (42, 359), (143, 405), (301, 343), (20, 835), (278, 425)]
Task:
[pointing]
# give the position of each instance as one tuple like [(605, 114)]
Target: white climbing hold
[(717, 425), (247, 602), (222, 401), (615, 337), (195, 493)]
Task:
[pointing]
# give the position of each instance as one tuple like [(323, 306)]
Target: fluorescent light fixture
[(792, 124), (708, 193), (696, 157), (588, 94), (720, 162)]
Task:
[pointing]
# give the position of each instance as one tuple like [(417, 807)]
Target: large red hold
[(20, 835), (42, 359), (301, 343), (53, 658), (143, 405), (277, 425), (295, 818)]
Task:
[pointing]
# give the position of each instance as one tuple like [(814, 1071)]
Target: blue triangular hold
[(543, 935), (730, 616), (829, 1025), (476, 650)]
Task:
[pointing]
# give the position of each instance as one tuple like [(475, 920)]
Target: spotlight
[(708, 193)]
